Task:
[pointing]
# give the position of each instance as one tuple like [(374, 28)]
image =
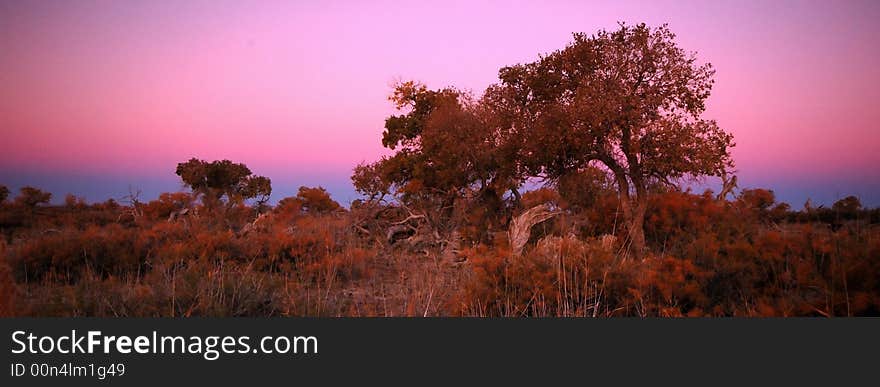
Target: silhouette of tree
[(220, 179), (4, 193), (32, 197), (847, 207), (628, 101), (72, 201)]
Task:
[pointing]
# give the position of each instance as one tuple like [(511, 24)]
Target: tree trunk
[(637, 229), (634, 215)]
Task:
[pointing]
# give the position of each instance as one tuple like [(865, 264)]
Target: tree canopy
[(220, 179), (627, 103), (445, 146), (446, 149), (316, 200), (32, 197)]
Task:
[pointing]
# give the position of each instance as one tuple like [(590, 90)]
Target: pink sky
[(100, 95)]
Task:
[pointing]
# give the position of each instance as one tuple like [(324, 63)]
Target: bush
[(750, 257)]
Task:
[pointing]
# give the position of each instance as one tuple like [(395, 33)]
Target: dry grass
[(709, 259)]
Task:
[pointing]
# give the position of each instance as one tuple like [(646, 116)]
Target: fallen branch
[(521, 226)]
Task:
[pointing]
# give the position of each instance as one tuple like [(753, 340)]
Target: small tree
[(4, 193), (31, 197), (72, 201), (316, 200), (758, 201), (847, 207), (221, 180)]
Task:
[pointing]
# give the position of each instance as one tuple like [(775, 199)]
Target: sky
[(99, 97)]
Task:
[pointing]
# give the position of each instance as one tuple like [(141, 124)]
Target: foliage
[(608, 126), (316, 200), (449, 164), (166, 204), (221, 179), (713, 258), (31, 197), (847, 207), (629, 101), (618, 109), (717, 259)]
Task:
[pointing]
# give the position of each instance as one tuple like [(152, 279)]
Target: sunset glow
[(100, 96)]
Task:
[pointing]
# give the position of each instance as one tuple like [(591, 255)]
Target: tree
[(72, 201), (369, 180), (628, 101), (446, 150), (221, 179), (316, 200), (258, 188), (762, 202), (32, 197), (4, 193), (757, 199), (847, 207)]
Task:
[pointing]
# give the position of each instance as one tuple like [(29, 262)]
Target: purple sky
[(100, 95)]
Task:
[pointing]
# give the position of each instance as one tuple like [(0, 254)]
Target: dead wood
[(521, 226)]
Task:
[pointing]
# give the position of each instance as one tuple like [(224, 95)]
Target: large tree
[(628, 101)]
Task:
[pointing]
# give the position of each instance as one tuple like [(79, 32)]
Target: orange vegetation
[(310, 257)]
